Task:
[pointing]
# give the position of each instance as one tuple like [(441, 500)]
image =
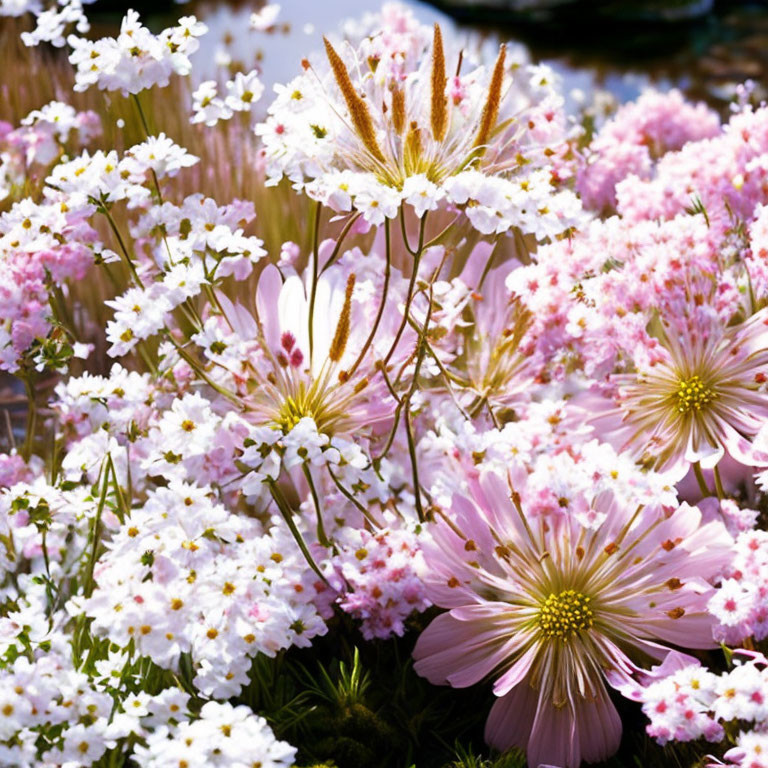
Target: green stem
[(201, 373), (142, 116), (350, 497), (124, 250), (287, 514), (409, 295), (342, 236), (719, 484), (700, 479), (384, 295), (321, 536), (407, 411), (88, 587), (315, 268)]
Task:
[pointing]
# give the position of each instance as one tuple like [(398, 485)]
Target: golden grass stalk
[(492, 103), (439, 103), (358, 109), (340, 338)]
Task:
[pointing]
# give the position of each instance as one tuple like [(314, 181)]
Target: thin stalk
[(350, 497), (384, 296), (201, 373), (287, 514), (407, 412), (124, 250), (422, 230), (122, 504), (408, 298), (719, 484), (88, 587), (321, 536), (313, 288), (142, 116), (700, 479), (29, 436), (342, 236)]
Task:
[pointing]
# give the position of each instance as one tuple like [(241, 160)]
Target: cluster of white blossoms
[(183, 576), (380, 122), (223, 736), (136, 59), (52, 23), (241, 94)]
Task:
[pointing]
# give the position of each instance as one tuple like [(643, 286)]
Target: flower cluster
[(136, 59), (381, 122), (690, 702)]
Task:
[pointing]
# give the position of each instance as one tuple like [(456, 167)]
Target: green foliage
[(348, 703)]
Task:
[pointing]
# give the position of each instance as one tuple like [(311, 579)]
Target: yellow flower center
[(292, 411), (564, 615), (693, 394)]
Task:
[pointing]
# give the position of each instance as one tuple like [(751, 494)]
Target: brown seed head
[(439, 110), (358, 109), (492, 102), (398, 108), (340, 338)]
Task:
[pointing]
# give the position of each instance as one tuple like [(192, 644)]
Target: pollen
[(693, 394), (565, 614)]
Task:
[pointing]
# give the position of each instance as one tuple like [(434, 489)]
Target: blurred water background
[(705, 47)]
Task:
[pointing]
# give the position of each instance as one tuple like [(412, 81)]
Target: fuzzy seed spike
[(340, 338), (493, 102), (439, 105), (398, 109), (358, 109), (413, 148)]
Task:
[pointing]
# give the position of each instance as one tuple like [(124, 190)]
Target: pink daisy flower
[(552, 610), (316, 359), (701, 400)]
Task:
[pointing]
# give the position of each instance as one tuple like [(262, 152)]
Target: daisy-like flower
[(552, 610), (497, 370), (316, 355), (703, 399)]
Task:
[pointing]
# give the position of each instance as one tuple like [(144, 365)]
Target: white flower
[(376, 202), (159, 154), (265, 18), (208, 108), (244, 91), (422, 194)]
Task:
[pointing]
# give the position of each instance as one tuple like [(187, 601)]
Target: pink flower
[(701, 398), (317, 359), (552, 610)]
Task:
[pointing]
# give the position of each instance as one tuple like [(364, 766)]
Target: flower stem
[(321, 535), (700, 479), (124, 250), (96, 531), (287, 514), (719, 484), (342, 237), (384, 295), (315, 268), (409, 295)]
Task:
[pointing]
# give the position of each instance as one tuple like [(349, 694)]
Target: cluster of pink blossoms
[(689, 702), (471, 363)]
